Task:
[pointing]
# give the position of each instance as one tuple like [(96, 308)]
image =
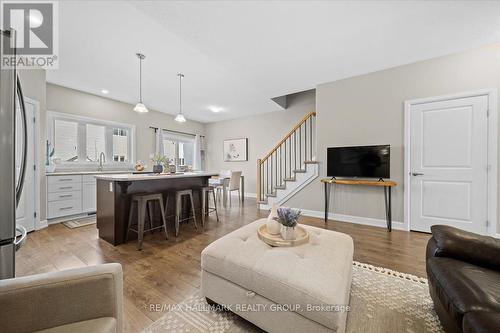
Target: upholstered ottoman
[(281, 289)]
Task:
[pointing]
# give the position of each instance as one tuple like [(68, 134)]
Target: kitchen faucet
[(102, 159)]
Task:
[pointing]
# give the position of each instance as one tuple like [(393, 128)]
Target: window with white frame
[(179, 148), (80, 140)]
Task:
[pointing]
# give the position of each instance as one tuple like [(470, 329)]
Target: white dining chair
[(234, 185), (218, 182)]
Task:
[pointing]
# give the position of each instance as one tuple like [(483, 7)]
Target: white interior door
[(25, 213), (448, 164)]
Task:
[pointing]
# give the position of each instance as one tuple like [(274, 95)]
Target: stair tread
[(283, 187), (264, 202), (300, 170), (311, 162), (289, 179), (271, 194)]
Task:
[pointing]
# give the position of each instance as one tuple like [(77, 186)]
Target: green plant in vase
[(158, 162), (288, 218)]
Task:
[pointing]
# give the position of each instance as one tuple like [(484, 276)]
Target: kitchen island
[(114, 195)]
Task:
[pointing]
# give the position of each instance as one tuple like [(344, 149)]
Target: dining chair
[(218, 182), (234, 185)]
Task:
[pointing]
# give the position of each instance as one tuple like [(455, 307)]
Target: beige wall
[(369, 109), (33, 83), (263, 132), (61, 99), (66, 100)]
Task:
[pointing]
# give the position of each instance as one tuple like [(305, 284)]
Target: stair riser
[(301, 180)]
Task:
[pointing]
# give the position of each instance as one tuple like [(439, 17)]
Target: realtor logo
[(36, 25)]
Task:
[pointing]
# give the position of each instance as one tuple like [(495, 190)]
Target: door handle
[(417, 174), (20, 242), (22, 171)]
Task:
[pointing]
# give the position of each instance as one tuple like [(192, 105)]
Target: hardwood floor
[(167, 272)]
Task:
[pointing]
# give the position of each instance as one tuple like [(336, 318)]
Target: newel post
[(258, 180)]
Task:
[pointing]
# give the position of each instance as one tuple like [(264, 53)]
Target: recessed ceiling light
[(215, 108), (105, 91)]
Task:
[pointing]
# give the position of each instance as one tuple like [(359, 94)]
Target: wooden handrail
[(302, 121)]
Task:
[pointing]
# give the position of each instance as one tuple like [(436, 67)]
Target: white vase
[(287, 233), (273, 226)]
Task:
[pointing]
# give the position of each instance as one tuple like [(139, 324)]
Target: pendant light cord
[(140, 79), (180, 92)]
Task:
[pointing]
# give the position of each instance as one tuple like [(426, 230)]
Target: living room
[(331, 168)]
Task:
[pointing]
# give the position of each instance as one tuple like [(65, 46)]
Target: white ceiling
[(239, 54)]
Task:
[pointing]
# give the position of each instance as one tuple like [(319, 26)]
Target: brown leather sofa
[(463, 270)]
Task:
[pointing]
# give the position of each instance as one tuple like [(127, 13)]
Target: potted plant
[(170, 165), (158, 162), (288, 218)]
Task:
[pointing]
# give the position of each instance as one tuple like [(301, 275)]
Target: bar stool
[(205, 204), (144, 202), (178, 209)]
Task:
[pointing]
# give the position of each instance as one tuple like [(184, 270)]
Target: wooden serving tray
[(301, 237)]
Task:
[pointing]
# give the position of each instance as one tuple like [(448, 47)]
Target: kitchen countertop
[(138, 177), (69, 173)]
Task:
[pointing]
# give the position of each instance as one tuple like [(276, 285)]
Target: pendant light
[(180, 117), (140, 107)]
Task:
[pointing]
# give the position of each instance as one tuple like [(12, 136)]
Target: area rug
[(382, 300), (80, 222)]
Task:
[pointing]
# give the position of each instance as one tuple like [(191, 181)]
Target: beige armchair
[(86, 299)]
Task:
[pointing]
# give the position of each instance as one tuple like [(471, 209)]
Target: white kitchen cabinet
[(89, 198), (72, 195), (61, 208)]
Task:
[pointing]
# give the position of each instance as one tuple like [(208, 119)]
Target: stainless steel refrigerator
[(11, 180)]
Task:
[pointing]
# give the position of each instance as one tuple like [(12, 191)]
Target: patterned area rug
[(80, 222), (382, 300)]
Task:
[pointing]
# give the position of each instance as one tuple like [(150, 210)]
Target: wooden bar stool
[(145, 204), (205, 203), (178, 209)]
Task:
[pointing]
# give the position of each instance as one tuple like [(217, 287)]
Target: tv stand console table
[(386, 184)]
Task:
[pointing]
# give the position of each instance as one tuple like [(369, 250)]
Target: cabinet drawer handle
[(66, 187), (65, 208), (66, 196), (65, 179)]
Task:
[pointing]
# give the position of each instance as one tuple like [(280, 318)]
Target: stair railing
[(287, 158)]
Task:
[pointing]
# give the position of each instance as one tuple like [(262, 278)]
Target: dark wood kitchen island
[(114, 194)]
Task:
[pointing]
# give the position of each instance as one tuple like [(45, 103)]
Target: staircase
[(289, 166)]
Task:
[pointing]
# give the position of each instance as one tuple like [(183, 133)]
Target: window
[(179, 148), (79, 140), (96, 142), (120, 145), (186, 153), (169, 149), (66, 140)]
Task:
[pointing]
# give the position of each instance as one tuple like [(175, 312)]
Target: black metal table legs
[(327, 199), (388, 208), (387, 201)]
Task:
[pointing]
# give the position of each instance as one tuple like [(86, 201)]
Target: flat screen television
[(359, 161)]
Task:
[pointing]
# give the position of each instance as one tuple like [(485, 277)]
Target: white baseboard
[(355, 219), (69, 218), (247, 195), (41, 225)]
